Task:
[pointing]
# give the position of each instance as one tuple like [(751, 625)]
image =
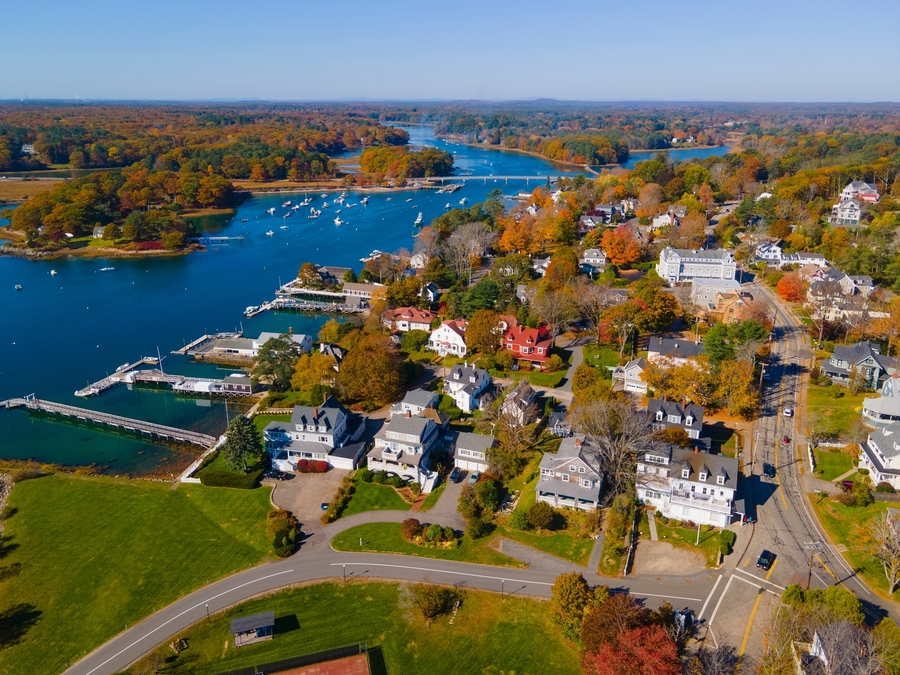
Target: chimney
[(315, 414), (408, 414), (324, 397), (696, 450), (577, 442)]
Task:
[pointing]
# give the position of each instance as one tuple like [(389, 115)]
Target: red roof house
[(528, 344)]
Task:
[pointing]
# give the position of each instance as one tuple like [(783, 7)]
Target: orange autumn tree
[(620, 246), (791, 288)]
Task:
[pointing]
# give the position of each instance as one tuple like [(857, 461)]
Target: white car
[(788, 412)]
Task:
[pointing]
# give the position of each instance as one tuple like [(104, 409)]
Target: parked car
[(766, 558), (474, 477), (768, 470), (788, 412), (456, 475)]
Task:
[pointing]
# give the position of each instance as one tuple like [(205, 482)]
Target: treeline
[(284, 141), (397, 162), (144, 202)]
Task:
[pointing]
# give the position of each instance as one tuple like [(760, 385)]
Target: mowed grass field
[(13, 189), (84, 556), (488, 635), (838, 414)]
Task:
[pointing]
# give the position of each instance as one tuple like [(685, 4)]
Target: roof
[(708, 254), (234, 343), (411, 314), (522, 336), (712, 465), (672, 348), (457, 326), (464, 373), (244, 624), (360, 288), (238, 378), (349, 451), (476, 442), (857, 353), (413, 425), (674, 408), (330, 411), (420, 398), (521, 395), (557, 418)]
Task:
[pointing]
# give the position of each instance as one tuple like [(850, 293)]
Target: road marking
[(749, 626), (758, 587), (487, 576), (771, 569), (715, 586), (721, 597), (828, 569), (178, 616), (778, 415), (747, 562), (756, 578)]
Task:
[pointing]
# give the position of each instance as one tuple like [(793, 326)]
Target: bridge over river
[(106, 420)]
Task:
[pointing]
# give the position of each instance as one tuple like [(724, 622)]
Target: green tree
[(487, 496), (111, 232), (275, 362), (311, 370), (404, 292), (571, 599), (540, 515), (242, 444), (414, 340), (482, 295)]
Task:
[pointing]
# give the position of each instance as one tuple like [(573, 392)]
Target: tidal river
[(62, 331)]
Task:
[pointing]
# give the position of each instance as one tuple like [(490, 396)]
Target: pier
[(193, 347), (107, 421), (117, 377), (214, 240)]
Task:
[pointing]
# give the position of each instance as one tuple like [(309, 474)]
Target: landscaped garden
[(84, 556), (487, 630)]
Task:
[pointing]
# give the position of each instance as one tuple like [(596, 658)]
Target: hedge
[(229, 479), (311, 466)]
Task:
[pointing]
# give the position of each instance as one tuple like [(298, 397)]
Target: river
[(65, 330)]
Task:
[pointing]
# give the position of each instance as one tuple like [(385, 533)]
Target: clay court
[(353, 665)]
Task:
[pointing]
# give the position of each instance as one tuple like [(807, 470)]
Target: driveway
[(304, 494), (444, 512)]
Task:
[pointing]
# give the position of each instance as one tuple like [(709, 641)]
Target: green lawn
[(375, 497), (488, 635), (849, 526), (601, 356), (550, 380), (685, 537), (87, 555), (564, 544), (830, 465), (433, 497), (839, 414), (724, 439), (385, 538)]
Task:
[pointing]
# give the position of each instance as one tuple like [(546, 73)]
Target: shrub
[(881, 487), (504, 359), (518, 520), (365, 475), (478, 528), (862, 472), (554, 363), (487, 496), (837, 393), (616, 523), (311, 466), (467, 506), (432, 600), (414, 340), (206, 461), (410, 529), (240, 481), (380, 477), (449, 533), (395, 481), (540, 515), (434, 532), (8, 512), (726, 541), (415, 489), (285, 532), (339, 502)]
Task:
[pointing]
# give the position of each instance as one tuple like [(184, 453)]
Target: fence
[(632, 545), (886, 496), (305, 660)]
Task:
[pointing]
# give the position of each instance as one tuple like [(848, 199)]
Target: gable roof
[(675, 409), (674, 348), (476, 442), (414, 425), (329, 414), (413, 314), (244, 624), (704, 462), (420, 398)]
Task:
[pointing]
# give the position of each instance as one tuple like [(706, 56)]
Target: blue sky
[(790, 50)]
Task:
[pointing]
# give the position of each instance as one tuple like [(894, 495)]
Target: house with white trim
[(673, 351), (678, 265), (404, 448), (404, 319), (672, 414), (861, 191), (881, 455), (886, 408), (572, 477), (847, 212), (467, 386), (449, 338), (687, 484), (415, 402), (630, 375), (470, 451)]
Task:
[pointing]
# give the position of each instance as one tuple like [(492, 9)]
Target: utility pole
[(812, 547)]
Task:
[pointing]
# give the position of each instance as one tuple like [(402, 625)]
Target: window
[(659, 416), (720, 480), (685, 473), (580, 469), (702, 476), (586, 483), (565, 478), (323, 439), (572, 468)]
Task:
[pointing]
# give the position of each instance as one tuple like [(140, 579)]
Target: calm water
[(60, 332)]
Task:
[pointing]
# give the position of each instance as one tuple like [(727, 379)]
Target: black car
[(765, 560), (456, 475), (768, 470)]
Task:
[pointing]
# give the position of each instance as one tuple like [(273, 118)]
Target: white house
[(519, 403), (630, 374), (848, 212), (449, 338), (593, 261), (415, 402), (97, 232), (769, 252), (471, 451), (572, 477), (661, 221), (405, 319), (303, 342), (404, 446), (322, 433), (881, 455), (675, 352), (885, 408), (678, 265), (861, 191), (431, 292), (686, 484), (466, 385)]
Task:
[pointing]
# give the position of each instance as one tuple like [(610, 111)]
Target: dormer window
[(572, 468), (702, 476), (689, 421), (660, 416), (456, 376), (685, 473), (472, 379), (720, 480)]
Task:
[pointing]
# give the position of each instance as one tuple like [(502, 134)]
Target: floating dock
[(117, 377)]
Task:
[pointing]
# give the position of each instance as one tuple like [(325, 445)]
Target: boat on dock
[(251, 310), (374, 255), (419, 220)]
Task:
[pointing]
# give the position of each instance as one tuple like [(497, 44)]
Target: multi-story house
[(667, 414), (861, 191), (404, 447), (415, 402), (881, 455), (324, 433), (677, 265), (630, 374), (471, 451), (531, 345), (687, 485), (676, 352), (886, 408), (519, 403), (593, 261), (449, 338), (572, 477), (847, 212), (467, 386), (405, 319), (865, 360)]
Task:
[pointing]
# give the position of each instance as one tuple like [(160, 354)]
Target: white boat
[(286, 204), (419, 220), (18, 287), (447, 205), (250, 310), (352, 206), (295, 207), (288, 215), (372, 256), (306, 202), (270, 233), (107, 269), (338, 211), (284, 227), (244, 220), (338, 221), (388, 199), (52, 273), (122, 367), (463, 201), (271, 211), (324, 195), (325, 205), (364, 201), (409, 200)]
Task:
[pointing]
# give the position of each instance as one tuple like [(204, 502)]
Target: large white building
[(449, 338), (881, 455), (688, 485), (679, 264), (466, 385)]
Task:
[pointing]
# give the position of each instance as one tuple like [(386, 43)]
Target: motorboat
[(286, 204), (18, 287), (325, 205), (409, 200), (324, 195), (463, 201), (295, 207), (52, 273), (243, 220), (364, 201), (388, 199), (284, 227), (107, 269), (251, 309), (338, 221), (270, 233), (352, 206), (447, 205), (271, 211), (122, 367), (419, 220)]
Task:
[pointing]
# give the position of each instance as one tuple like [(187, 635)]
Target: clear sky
[(715, 50)]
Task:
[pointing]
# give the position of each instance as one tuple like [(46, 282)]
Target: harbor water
[(62, 331)]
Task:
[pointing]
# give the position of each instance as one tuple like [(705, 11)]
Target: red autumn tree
[(620, 246), (641, 651), (790, 287)]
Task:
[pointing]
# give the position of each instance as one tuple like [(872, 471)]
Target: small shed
[(248, 630)]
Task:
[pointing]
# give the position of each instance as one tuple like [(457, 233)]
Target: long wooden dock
[(105, 420), (110, 381)]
